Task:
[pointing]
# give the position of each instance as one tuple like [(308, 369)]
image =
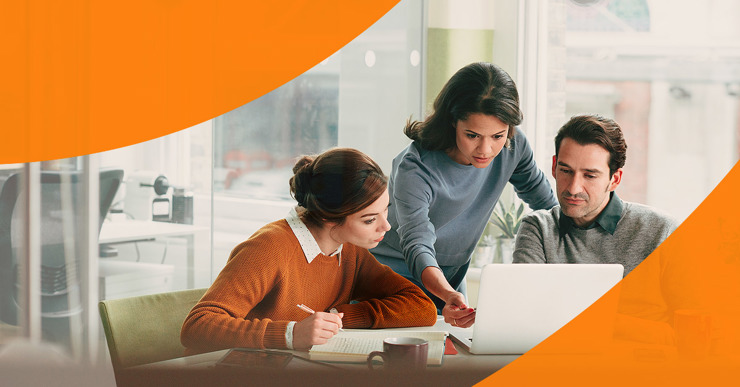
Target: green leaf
[(509, 223), (507, 219), (498, 221), (520, 211)]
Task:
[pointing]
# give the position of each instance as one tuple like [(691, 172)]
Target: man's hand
[(316, 329), (456, 311)]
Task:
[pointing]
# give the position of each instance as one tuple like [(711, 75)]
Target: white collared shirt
[(310, 249), (308, 243)]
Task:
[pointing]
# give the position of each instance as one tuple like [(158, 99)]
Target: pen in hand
[(311, 311)]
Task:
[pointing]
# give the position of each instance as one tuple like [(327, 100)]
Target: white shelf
[(119, 279)]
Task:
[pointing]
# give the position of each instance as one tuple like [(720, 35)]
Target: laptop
[(519, 305)]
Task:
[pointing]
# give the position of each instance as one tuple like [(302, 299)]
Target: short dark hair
[(594, 129), (335, 184), (476, 88)]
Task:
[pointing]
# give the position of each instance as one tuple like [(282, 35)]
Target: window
[(256, 144), (359, 97), (668, 75)]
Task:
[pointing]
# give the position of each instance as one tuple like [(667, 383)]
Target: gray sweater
[(439, 207), (548, 236)]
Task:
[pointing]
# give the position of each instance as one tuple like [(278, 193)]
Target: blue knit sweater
[(439, 208)]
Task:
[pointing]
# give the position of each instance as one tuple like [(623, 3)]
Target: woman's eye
[(471, 136), (370, 221), (498, 136)]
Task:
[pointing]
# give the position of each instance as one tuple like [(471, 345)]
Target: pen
[(309, 310), (305, 308)]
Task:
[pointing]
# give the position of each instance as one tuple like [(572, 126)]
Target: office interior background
[(171, 209)]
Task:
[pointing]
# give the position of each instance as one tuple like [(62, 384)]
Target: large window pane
[(256, 144), (669, 75), (359, 97)]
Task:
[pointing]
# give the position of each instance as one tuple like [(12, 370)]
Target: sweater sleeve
[(412, 194), (528, 180), (529, 246), (219, 321), (385, 299)]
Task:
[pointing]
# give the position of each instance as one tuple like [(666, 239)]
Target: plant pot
[(504, 251), (483, 255)]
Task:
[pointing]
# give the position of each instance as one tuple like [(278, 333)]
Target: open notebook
[(353, 345)]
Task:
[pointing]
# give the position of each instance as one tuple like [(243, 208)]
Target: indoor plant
[(507, 220)]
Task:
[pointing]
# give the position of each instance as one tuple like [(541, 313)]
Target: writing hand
[(315, 329)]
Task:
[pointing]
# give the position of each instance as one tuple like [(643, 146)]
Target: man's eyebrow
[(589, 170)]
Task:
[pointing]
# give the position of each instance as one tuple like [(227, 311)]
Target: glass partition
[(359, 97), (45, 213), (12, 225), (156, 236)]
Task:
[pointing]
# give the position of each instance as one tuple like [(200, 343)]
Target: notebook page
[(354, 345)]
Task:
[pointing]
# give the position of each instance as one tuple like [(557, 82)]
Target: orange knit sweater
[(255, 295)]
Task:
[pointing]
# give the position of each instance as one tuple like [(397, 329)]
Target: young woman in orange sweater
[(317, 256)]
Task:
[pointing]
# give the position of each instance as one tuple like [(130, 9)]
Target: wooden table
[(462, 369)]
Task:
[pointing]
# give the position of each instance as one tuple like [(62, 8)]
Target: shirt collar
[(607, 219), (308, 243)]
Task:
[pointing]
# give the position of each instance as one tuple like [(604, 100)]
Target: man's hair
[(594, 129)]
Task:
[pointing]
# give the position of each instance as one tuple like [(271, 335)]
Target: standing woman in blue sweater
[(445, 184)]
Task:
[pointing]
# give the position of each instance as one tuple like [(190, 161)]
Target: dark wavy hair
[(335, 184), (594, 129), (476, 88)]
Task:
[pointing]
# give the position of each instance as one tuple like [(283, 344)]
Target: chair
[(61, 204), (146, 329)]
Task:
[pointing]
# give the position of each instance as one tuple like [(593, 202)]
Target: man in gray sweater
[(591, 224)]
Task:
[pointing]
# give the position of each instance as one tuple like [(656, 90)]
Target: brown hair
[(476, 88), (335, 184), (594, 129)]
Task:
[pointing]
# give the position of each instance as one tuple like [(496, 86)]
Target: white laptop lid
[(519, 305)]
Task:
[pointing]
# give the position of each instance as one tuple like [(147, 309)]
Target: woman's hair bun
[(335, 184), (300, 183), (302, 163)]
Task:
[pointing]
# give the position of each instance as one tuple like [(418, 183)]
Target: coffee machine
[(147, 196)]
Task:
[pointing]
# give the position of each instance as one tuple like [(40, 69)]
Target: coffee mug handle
[(372, 355)]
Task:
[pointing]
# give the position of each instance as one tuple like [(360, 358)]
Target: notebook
[(353, 345), (519, 305)]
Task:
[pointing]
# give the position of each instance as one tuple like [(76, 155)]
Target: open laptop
[(519, 305)]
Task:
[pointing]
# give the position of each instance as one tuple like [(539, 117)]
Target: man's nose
[(576, 185)]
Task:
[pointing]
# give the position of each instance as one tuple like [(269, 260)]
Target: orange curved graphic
[(678, 321), (83, 77)]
